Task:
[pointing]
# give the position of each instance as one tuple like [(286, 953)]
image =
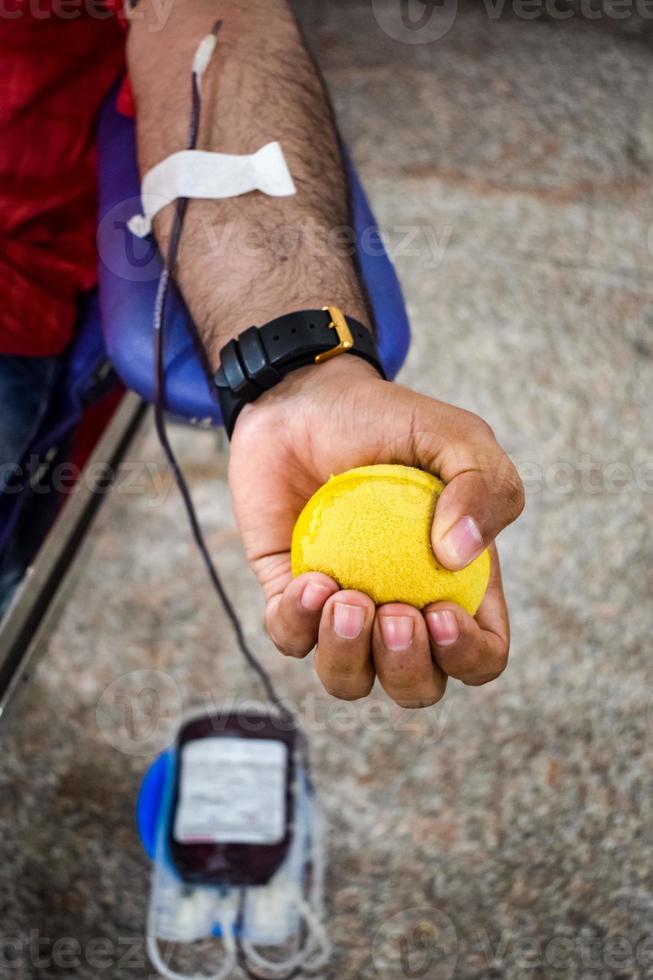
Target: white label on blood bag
[(232, 791)]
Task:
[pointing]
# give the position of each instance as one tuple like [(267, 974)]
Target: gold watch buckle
[(345, 339)]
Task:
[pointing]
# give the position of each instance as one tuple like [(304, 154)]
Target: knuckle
[(296, 652), (343, 693), (467, 428), (480, 677), (481, 429), (413, 704), (478, 680), (289, 647), (512, 491)]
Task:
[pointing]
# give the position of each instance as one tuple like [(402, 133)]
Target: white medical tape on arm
[(213, 176)]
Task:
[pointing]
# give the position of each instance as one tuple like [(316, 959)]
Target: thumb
[(483, 494)]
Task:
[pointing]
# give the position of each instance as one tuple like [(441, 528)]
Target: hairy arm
[(248, 259)]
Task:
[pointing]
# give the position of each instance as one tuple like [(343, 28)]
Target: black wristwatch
[(261, 356)]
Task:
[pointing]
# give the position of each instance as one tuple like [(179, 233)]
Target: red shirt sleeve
[(56, 72)]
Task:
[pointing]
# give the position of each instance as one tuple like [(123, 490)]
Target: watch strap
[(260, 357)]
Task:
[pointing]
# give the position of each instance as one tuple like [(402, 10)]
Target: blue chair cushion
[(129, 271)]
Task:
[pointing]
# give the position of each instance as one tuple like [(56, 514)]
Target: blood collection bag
[(231, 823)]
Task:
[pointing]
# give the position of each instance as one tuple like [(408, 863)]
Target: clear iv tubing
[(311, 916), (199, 66), (317, 950), (227, 968)]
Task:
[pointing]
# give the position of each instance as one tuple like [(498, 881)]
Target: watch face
[(231, 815)]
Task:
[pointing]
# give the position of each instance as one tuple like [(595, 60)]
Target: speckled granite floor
[(514, 819)]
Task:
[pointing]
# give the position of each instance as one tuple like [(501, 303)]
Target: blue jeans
[(26, 385)]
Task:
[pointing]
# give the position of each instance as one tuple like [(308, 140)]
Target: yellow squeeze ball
[(370, 529)]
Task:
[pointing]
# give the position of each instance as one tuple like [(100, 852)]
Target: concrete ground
[(512, 824)]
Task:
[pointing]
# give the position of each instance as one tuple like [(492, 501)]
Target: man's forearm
[(248, 259)]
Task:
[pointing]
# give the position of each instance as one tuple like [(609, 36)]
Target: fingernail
[(463, 541), (397, 631), (443, 627), (348, 621), (314, 596)]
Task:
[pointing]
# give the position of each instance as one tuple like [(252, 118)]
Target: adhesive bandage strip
[(212, 176)]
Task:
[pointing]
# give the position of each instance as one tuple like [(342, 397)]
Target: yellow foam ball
[(370, 529)]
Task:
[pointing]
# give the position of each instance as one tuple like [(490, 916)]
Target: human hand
[(329, 418)]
